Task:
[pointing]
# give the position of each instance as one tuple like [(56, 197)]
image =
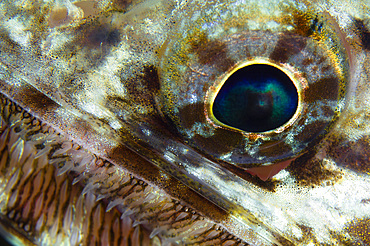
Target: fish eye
[(250, 97), (255, 98)]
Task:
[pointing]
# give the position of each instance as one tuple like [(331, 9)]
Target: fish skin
[(82, 110)]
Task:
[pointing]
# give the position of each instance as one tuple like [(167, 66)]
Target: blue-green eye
[(256, 98)]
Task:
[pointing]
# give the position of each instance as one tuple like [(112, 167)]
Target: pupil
[(256, 98), (259, 105)]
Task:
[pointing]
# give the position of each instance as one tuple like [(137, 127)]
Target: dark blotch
[(326, 88), (310, 171), (302, 24), (102, 34), (121, 4), (287, 46), (352, 155), (212, 53), (143, 85), (222, 141), (151, 78), (364, 33), (36, 100), (192, 113)]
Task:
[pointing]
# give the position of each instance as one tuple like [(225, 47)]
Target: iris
[(256, 98)]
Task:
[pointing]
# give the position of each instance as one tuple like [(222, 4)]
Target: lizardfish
[(150, 122)]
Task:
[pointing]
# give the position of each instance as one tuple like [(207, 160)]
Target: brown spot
[(326, 88), (364, 33), (212, 53), (150, 78), (142, 87), (36, 100), (310, 171), (221, 142), (306, 231), (192, 113), (360, 230), (121, 4), (352, 155), (288, 45)]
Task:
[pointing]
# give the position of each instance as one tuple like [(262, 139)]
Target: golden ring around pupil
[(264, 65)]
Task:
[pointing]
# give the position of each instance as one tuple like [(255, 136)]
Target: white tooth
[(64, 148), (17, 151), (53, 230), (67, 222), (13, 199), (3, 139), (64, 194), (13, 180), (100, 196), (67, 166), (135, 240), (28, 166), (136, 223), (43, 151), (38, 206), (77, 179), (90, 199), (74, 240), (155, 232), (181, 216), (128, 212), (39, 223), (87, 188), (114, 203)]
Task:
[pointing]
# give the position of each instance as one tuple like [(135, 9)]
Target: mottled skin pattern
[(107, 137)]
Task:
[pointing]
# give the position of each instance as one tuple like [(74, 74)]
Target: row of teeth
[(56, 203)]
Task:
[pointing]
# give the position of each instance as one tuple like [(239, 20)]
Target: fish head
[(185, 122)]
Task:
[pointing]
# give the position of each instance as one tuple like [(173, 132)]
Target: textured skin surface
[(106, 135)]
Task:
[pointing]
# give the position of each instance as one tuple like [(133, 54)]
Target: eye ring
[(297, 80), (194, 67)]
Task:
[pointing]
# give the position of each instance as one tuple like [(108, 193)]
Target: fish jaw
[(239, 208)]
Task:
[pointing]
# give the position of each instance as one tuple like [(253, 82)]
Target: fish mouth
[(107, 131), (55, 191)]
